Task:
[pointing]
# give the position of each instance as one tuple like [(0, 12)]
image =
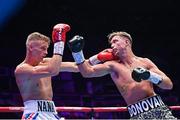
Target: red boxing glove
[(59, 32), (102, 57), (59, 37)]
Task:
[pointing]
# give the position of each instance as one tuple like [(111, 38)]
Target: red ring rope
[(79, 109)]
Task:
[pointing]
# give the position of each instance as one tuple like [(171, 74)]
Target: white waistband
[(39, 106)]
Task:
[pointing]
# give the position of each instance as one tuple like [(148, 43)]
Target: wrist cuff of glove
[(155, 78), (94, 60), (59, 48), (78, 57)]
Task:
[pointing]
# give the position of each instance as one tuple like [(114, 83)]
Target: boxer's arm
[(26, 71), (68, 67), (96, 59), (76, 45), (48, 67), (65, 66), (59, 39), (166, 82), (88, 71), (103, 56)]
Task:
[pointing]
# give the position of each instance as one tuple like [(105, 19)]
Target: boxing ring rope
[(79, 109)]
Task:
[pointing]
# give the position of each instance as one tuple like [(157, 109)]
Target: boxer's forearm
[(166, 83), (68, 67)]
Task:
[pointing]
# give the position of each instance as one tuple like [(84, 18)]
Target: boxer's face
[(118, 44), (39, 50)]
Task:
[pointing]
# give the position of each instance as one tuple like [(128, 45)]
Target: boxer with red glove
[(59, 37), (105, 55), (76, 45)]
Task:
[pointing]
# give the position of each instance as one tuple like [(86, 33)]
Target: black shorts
[(150, 108)]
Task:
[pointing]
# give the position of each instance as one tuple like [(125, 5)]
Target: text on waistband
[(145, 105), (46, 106)]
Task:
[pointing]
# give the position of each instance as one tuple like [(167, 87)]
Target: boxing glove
[(140, 73), (59, 37), (76, 45), (102, 57)]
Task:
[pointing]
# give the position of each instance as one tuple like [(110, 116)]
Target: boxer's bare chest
[(121, 76)]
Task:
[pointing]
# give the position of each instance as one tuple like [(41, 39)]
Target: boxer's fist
[(140, 73), (59, 37), (106, 56), (102, 57), (76, 44), (59, 32)]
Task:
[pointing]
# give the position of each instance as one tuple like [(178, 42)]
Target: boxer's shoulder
[(22, 68)]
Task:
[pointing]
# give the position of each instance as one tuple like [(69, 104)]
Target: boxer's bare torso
[(131, 90), (32, 88)]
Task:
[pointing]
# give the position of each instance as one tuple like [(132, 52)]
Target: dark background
[(153, 25)]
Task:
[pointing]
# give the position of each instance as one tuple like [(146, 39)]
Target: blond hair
[(35, 36), (119, 33)]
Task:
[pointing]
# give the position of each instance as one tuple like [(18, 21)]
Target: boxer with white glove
[(142, 101), (76, 44), (59, 37), (140, 73)]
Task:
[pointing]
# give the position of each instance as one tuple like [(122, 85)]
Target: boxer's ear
[(127, 42), (30, 46)]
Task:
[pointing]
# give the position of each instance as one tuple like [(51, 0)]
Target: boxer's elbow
[(89, 73), (53, 71), (86, 74), (170, 86), (167, 85)]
